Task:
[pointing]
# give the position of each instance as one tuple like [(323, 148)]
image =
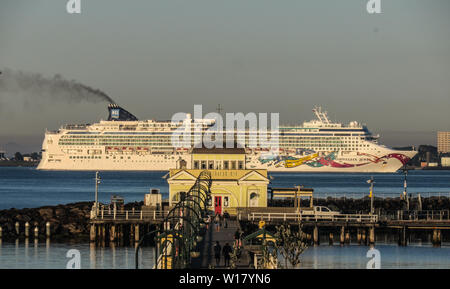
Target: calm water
[(392, 257), (53, 256), (27, 187)]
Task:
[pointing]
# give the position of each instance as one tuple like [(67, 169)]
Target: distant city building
[(445, 161), (443, 141), (2, 155)]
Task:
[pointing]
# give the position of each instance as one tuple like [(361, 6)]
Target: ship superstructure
[(122, 142)]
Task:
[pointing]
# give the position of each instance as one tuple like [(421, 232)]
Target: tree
[(269, 258), (18, 156), (234, 256), (35, 156), (290, 244)]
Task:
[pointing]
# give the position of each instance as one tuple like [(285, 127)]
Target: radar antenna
[(321, 115)]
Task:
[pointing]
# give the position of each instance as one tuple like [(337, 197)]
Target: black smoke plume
[(35, 87)]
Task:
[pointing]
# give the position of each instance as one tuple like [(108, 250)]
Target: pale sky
[(155, 58)]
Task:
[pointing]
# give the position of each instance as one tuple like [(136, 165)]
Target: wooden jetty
[(364, 225), (131, 225), (112, 224), (120, 225)]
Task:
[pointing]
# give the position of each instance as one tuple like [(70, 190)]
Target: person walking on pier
[(226, 251), (237, 238), (208, 222), (226, 217), (217, 250), (217, 222)]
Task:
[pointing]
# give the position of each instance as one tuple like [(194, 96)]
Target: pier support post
[(47, 229), (372, 235), (130, 233), (120, 234), (331, 241), (316, 235), (1, 232), (363, 236), (27, 230), (103, 238), (308, 238), (402, 237), (436, 238), (92, 233), (342, 236), (347, 237), (102, 232), (17, 228), (136, 233), (36, 232), (112, 233), (358, 236)]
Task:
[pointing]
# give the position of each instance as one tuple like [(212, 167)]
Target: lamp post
[(371, 182), (97, 182), (405, 187)]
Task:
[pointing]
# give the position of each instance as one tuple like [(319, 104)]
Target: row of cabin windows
[(226, 165), (84, 157)]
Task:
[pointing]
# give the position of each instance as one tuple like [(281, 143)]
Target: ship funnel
[(117, 113)]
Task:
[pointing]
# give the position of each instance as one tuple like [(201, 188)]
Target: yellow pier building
[(233, 185)]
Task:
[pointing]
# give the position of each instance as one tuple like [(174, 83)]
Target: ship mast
[(322, 116)]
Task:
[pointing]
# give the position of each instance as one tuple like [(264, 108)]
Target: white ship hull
[(165, 162), (125, 144)]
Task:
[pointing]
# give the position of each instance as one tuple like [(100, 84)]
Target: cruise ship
[(122, 142)]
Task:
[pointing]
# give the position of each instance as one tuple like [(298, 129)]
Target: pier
[(361, 225), (184, 235), (123, 225), (133, 225)]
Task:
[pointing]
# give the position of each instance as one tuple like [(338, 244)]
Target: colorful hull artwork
[(329, 160), (298, 162)]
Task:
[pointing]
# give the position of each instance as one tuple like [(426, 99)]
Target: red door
[(218, 205)]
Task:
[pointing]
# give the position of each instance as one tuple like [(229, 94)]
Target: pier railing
[(354, 218), (377, 194), (424, 215), (125, 215), (417, 216)]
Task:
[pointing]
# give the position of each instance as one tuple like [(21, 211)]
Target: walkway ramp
[(224, 235)]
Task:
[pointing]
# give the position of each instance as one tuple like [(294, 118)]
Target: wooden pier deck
[(224, 235), (111, 225), (119, 225)]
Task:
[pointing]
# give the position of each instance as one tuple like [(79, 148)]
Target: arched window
[(254, 199)]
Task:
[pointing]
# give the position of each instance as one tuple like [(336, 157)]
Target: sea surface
[(57, 256), (28, 188)]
